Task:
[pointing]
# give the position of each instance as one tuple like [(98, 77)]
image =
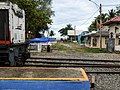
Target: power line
[(90, 17), (96, 11), (110, 5)]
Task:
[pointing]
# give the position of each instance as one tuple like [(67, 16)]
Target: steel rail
[(61, 62), (102, 72), (73, 66), (75, 59)]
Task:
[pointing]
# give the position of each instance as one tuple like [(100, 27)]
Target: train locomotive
[(13, 45)]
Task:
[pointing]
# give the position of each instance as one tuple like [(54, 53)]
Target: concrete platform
[(43, 79)]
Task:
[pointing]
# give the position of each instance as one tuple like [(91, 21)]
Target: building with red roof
[(114, 30), (112, 21)]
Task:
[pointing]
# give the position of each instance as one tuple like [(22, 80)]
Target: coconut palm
[(111, 14), (63, 31)]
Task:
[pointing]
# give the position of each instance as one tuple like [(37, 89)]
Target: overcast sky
[(79, 13)]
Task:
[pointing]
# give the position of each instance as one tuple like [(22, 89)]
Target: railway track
[(75, 59), (66, 62), (106, 72), (102, 72), (63, 62), (75, 63), (75, 66)]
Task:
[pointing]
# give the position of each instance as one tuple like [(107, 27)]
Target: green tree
[(111, 13), (63, 31), (45, 16), (51, 33), (107, 16), (94, 26), (118, 10)]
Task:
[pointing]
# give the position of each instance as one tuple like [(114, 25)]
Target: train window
[(21, 36), (12, 22), (15, 36), (118, 41)]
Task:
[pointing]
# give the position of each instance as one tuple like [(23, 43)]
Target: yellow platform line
[(84, 74), (49, 79)]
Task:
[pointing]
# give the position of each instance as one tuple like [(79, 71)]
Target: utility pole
[(100, 11), (100, 26)]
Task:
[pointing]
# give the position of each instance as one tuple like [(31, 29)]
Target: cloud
[(77, 12)]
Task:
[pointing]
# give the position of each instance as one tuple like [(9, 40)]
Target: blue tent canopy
[(51, 39), (37, 40)]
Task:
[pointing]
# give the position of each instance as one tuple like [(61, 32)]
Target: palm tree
[(118, 10), (96, 23), (111, 14), (63, 31), (52, 33)]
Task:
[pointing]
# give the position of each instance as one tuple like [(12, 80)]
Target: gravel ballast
[(102, 81)]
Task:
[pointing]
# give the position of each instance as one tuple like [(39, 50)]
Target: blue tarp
[(51, 39), (35, 40), (43, 85)]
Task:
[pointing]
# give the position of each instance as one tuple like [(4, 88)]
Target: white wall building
[(73, 34)]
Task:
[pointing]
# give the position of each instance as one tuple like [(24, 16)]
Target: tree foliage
[(92, 27), (63, 31), (37, 12), (51, 33), (95, 24), (107, 16), (111, 13), (118, 10)]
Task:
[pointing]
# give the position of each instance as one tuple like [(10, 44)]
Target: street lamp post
[(75, 32), (100, 11)]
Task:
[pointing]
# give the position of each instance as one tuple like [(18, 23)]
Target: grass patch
[(59, 47), (73, 43), (91, 50)]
